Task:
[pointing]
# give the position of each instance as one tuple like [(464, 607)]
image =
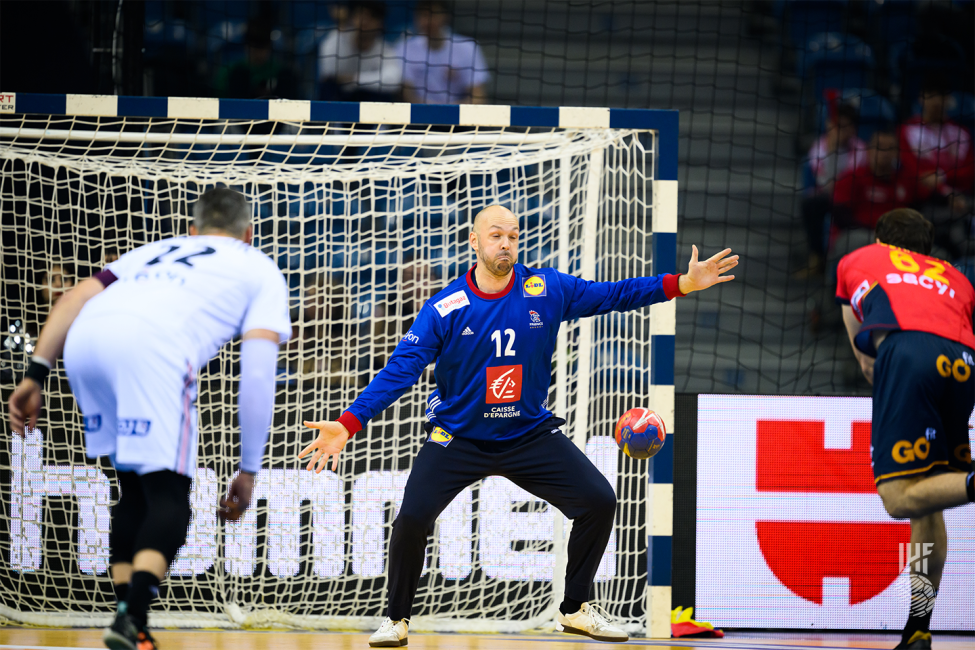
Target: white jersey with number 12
[(195, 293)]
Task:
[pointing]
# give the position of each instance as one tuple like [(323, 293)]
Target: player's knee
[(127, 517), (168, 513), (602, 500), (413, 523), (894, 502)]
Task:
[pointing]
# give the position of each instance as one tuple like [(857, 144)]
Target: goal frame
[(659, 504)]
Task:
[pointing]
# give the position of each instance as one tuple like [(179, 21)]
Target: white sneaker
[(592, 622), (391, 634)]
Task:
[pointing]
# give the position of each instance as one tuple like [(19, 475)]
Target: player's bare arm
[(704, 274), (852, 327), (25, 402)]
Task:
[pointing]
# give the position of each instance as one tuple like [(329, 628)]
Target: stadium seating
[(875, 110), (892, 22), (806, 18), (920, 58), (962, 110), (835, 60)]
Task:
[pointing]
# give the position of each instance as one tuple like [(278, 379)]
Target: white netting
[(366, 223)]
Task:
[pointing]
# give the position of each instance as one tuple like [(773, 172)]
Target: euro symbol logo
[(504, 386)]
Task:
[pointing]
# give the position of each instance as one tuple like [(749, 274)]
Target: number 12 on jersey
[(509, 350)]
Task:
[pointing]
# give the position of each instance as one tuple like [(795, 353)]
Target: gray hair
[(222, 209)]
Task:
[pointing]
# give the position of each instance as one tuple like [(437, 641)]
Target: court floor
[(72, 639)]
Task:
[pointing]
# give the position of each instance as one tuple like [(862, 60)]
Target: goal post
[(366, 209)]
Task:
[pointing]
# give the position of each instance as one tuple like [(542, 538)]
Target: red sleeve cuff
[(672, 286), (350, 422)]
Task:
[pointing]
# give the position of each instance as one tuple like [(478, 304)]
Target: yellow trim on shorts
[(914, 471)]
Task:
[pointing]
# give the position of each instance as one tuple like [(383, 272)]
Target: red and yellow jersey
[(891, 288)]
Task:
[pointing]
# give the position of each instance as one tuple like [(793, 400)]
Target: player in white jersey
[(133, 337)]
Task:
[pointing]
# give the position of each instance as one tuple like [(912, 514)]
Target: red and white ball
[(640, 433)]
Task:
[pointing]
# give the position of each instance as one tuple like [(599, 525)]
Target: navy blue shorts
[(923, 395)]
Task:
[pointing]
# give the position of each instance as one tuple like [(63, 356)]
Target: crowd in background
[(357, 58), (887, 89)]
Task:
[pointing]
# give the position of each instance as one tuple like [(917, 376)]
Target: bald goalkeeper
[(492, 333)]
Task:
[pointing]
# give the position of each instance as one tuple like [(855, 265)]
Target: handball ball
[(640, 433)]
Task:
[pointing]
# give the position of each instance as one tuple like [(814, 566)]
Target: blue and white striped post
[(663, 324), (659, 507)]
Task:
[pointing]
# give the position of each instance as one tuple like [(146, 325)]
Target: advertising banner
[(790, 530)]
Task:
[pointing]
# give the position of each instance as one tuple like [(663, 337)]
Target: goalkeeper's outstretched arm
[(415, 352), (587, 298)]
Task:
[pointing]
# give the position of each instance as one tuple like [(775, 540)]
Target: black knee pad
[(167, 513), (127, 517)]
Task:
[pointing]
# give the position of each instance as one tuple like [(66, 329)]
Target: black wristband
[(38, 372), (244, 471)]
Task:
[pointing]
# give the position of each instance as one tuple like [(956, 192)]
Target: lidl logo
[(534, 286), (440, 437)]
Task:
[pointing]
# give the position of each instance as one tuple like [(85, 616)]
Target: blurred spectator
[(837, 151), (441, 67), (55, 282), (886, 182), (259, 75), (356, 64), (327, 337), (932, 141), (392, 319)]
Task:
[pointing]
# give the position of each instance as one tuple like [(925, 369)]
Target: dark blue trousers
[(546, 464)]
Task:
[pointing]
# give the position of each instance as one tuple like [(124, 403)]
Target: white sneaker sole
[(390, 644), (609, 639)]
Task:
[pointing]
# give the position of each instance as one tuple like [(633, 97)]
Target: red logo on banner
[(792, 457)]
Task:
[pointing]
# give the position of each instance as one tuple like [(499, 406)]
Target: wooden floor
[(43, 639)]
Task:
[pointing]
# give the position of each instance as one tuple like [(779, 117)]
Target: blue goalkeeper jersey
[(494, 351)]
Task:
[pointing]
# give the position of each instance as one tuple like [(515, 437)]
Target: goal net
[(366, 222)]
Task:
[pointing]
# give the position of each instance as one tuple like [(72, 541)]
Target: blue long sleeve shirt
[(494, 351)]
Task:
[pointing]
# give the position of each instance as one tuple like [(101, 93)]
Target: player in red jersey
[(909, 317)]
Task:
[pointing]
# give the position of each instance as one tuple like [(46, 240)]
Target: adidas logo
[(467, 331)]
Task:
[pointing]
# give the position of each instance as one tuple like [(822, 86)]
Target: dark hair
[(222, 209), (258, 33), (906, 228), (433, 6), (849, 112), (374, 8), (936, 84)]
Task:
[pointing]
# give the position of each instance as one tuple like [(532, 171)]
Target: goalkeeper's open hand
[(701, 275), (331, 439)]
